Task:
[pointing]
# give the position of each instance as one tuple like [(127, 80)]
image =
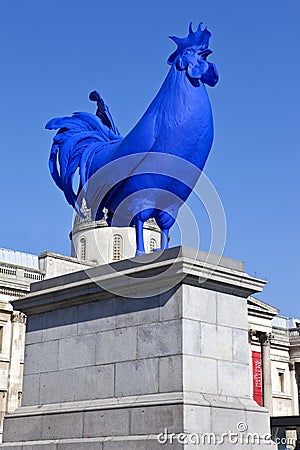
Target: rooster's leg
[(140, 248), (164, 239)]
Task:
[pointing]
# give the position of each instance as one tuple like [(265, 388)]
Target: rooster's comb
[(198, 38)]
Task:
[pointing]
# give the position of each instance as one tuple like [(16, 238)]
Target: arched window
[(153, 244), (117, 247), (82, 249)]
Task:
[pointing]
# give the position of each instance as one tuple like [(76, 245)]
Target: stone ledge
[(108, 403), (188, 398)]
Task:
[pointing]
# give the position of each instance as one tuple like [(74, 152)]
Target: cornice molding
[(143, 276)]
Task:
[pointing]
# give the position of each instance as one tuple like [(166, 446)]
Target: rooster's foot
[(139, 253)]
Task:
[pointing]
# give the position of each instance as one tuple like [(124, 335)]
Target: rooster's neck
[(178, 101)]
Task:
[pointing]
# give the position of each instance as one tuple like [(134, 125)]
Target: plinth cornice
[(144, 276)]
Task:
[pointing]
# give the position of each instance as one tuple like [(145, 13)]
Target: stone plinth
[(118, 353)]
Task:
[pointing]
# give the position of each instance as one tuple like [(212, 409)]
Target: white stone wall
[(53, 265), (100, 242)]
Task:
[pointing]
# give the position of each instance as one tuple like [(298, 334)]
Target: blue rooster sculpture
[(152, 171)]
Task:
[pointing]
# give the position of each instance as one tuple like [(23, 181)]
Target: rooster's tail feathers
[(103, 112), (77, 139)]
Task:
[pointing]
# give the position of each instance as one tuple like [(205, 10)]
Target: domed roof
[(95, 241), (87, 222)]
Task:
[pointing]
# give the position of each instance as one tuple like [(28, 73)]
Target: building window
[(281, 381), (117, 247), (82, 249), (153, 244)]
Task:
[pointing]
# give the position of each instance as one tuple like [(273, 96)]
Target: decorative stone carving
[(18, 316)]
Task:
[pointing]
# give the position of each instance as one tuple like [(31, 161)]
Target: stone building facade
[(274, 343)]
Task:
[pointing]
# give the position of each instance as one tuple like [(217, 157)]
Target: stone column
[(297, 385), (265, 340), (294, 389), (16, 359)]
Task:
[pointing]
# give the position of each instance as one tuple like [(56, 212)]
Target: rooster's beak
[(205, 53)]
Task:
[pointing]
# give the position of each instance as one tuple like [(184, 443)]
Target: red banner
[(257, 378)]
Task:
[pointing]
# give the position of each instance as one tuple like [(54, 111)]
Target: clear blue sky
[(54, 53)]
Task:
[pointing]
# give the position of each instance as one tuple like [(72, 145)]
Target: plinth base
[(143, 354)]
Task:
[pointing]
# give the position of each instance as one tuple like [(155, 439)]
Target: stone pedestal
[(117, 354)]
